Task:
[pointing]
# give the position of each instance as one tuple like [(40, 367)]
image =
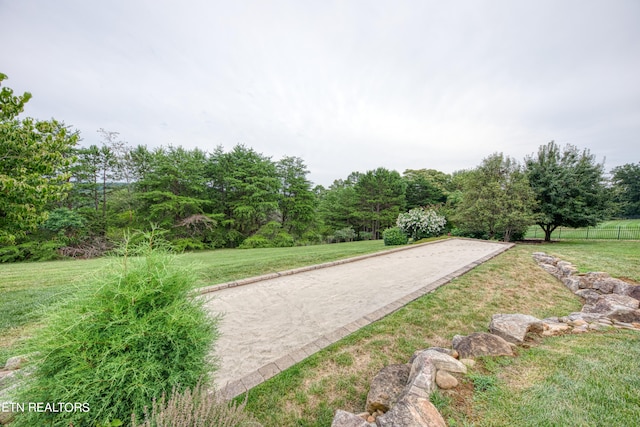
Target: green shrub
[(254, 242), (31, 251), (10, 254), (187, 244), (270, 235), (283, 240), (197, 408), (394, 236), (130, 337), (344, 235)]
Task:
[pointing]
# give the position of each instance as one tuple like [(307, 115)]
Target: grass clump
[(196, 408), (129, 337)]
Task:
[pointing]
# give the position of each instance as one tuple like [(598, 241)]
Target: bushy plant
[(270, 235), (344, 235), (197, 408), (31, 251), (133, 335), (187, 244), (421, 222), (394, 236), (254, 242)]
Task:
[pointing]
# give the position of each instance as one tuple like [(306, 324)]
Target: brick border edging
[(255, 279), (260, 375)]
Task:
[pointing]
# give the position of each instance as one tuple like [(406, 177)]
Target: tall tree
[(626, 186), (381, 197), (244, 186), (34, 156), (174, 184), (496, 199), (297, 202), (425, 187), (569, 187), (338, 205)]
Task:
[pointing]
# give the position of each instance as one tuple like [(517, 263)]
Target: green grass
[(308, 393), (580, 380), (623, 229), (27, 290), (338, 377)]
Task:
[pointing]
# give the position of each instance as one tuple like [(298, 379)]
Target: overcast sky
[(346, 85)]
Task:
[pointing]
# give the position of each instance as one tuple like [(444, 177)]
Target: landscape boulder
[(590, 296), (347, 419), (611, 303), (412, 411), (445, 380), (552, 328), (573, 283), (482, 344), (422, 378), (387, 386), (514, 327), (441, 361), (625, 316), (634, 292)]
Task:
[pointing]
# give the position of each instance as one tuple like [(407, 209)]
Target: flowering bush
[(421, 222)]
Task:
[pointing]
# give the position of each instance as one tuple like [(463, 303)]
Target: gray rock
[(455, 340), (422, 378), (622, 288), (386, 387), (545, 259), (554, 328), (448, 351), (586, 316), (634, 292), (514, 327), (15, 362), (7, 378), (611, 303), (347, 419), (590, 296), (625, 316), (551, 269), (412, 411), (573, 283), (445, 380), (483, 344), (608, 285), (588, 280), (442, 361)]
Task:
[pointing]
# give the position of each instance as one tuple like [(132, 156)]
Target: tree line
[(58, 197)]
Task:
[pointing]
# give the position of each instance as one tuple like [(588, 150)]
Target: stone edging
[(269, 370)]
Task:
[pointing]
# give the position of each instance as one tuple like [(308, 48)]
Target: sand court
[(271, 324)]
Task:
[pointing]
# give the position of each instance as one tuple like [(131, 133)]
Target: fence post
[(559, 232), (618, 232), (587, 238)]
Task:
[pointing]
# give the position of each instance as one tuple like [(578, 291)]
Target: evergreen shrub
[(133, 335), (394, 236)]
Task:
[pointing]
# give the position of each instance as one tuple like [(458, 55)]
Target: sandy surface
[(267, 320)]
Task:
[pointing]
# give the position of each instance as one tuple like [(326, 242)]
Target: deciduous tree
[(569, 186), (496, 199), (34, 156)]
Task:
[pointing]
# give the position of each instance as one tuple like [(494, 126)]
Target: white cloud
[(344, 85)]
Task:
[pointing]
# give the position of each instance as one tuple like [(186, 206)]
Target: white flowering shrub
[(421, 222)]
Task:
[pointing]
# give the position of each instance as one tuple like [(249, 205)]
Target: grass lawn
[(338, 377), (580, 371), (27, 290), (622, 229)]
